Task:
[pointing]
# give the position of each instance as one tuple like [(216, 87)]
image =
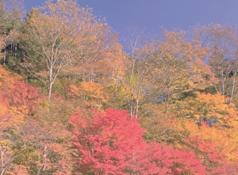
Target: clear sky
[(150, 16)]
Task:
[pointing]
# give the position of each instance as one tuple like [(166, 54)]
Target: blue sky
[(151, 16)]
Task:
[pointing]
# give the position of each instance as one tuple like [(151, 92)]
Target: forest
[(73, 101)]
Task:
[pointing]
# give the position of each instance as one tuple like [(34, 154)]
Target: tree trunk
[(137, 108), (233, 87), (50, 90), (133, 67), (2, 172), (131, 109), (3, 169), (223, 83), (44, 158), (50, 81)]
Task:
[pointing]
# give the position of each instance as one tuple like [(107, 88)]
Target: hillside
[(35, 135), (73, 102)]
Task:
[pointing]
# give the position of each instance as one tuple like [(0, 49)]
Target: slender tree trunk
[(50, 83), (3, 169), (167, 105), (44, 158), (50, 90), (2, 163), (44, 161), (91, 76), (223, 83), (131, 109), (39, 171), (2, 157), (233, 87), (2, 172), (133, 67), (137, 108)]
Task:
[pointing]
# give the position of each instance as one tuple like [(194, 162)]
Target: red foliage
[(17, 100), (23, 94), (207, 148), (112, 142), (164, 160), (218, 163)]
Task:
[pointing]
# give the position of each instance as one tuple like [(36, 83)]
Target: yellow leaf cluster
[(225, 139), (217, 107), (7, 78), (89, 90), (205, 105), (200, 110)]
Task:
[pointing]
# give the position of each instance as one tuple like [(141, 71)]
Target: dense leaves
[(112, 143), (173, 102)]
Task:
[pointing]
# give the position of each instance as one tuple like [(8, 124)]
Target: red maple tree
[(111, 142)]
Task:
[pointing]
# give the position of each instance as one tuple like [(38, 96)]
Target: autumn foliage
[(17, 100), (112, 142), (163, 107)]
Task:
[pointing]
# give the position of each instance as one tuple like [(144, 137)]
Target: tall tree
[(167, 66), (11, 13), (222, 43), (54, 33)]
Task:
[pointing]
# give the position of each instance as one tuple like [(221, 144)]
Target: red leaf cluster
[(111, 142), (23, 94)]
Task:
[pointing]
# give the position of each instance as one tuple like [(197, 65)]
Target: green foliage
[(27, 154), (54, 157), (160, 128), (119, 96), (210, 90)]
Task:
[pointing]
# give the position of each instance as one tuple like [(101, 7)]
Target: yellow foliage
[(92, 92), (217, 107), (202, 109), (225, 139), (207, 106), (13, 118), (7, 78), (5, 144), (10, 115), (74, 90), (117, 60)]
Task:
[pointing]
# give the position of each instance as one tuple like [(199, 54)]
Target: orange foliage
[(225, 139), (200, 74), (17, 99), (210, 121), (19, 170), (117, 60), (216, 107), (207, 106)]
